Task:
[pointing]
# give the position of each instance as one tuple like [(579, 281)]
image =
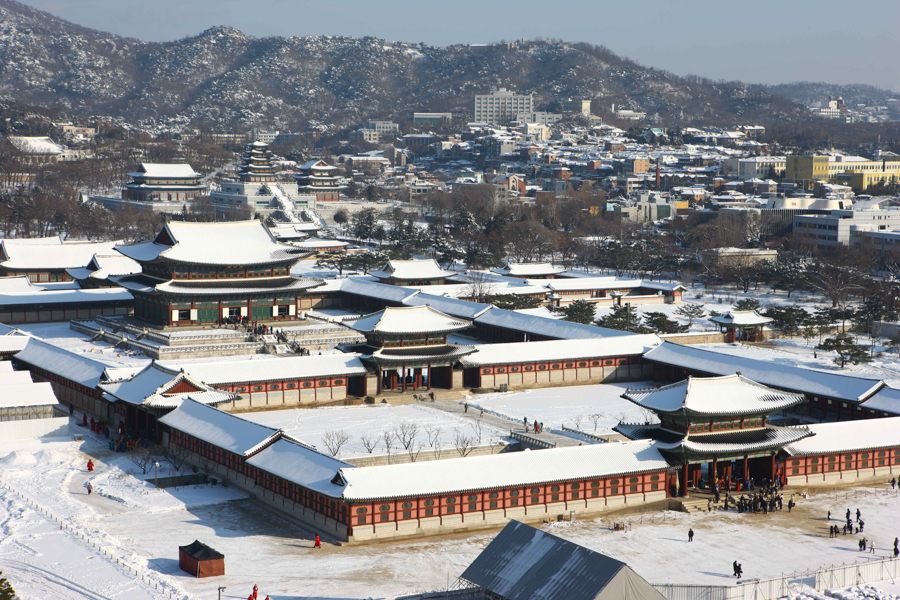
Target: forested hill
[(229, 79)]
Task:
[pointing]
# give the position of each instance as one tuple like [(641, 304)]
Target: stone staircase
[(698, 501)]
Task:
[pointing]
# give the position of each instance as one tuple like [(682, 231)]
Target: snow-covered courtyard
[(435, 428), (573, 406)]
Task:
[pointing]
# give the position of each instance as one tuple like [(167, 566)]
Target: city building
[(256, 190), (539, 117), (842, 227), (207, 273), (501, 106), (318, 178), (855, 171), (367, 135), (760, 167), (158, 182), (577, 105), (424, 118)]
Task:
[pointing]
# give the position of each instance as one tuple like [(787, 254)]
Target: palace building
[(207, 273), (721, 420), (408, 347), (318, 177), (414, 272), (158, 182)]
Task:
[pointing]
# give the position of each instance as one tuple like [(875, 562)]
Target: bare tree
[(463, 443), (177, 455), (413, 451), (577, 421), (434, 440), (142, 457), (647, 415), (479, 286), (369, 441), (478, 426), (595, 419), (406, 433), (334, 440), (388, 438)]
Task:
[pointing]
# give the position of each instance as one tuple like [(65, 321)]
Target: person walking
[(90, 488), (90, 465), (792, 499), (318, 542), (858, 514), (466, 407), (709, 506), (691, 537), (734, 566)]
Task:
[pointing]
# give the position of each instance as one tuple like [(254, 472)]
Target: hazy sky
[(764, 41)]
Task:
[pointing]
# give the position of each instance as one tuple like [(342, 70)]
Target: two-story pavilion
[(408, 346), (157, 182), (207, 273), (721, 420), (413, 272)]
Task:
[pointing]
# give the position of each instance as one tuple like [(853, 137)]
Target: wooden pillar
[(746, 471), (403, 379), (714, 477), (683, 479), (417, 378), (380, 382), (428, 379), (772, 467)]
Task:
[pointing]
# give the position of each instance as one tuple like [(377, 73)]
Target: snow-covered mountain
[(229, 79)]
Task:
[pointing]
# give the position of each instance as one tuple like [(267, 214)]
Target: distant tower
[(657, 173)]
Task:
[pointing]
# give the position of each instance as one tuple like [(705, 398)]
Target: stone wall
[(565, 377)]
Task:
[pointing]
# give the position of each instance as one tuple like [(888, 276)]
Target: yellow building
[(855, 171)]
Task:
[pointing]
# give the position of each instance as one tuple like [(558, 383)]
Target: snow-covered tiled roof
[(408, 320), (887, 399), (35, 145), (528, 269), (165, 171), (27, 394), (786, 377), (847, 436), (53, 256), (373, 289), (741, 318), (39, 295), (554, 328), (450, 306), (229, 243), (737, 442), (414, 269), (15, 378), (725, 395), (458, 475), (68, 365), (275, 369), (217, 427), (140, 283), (525, 352), (301, 465), (151, 387), (606, 283)]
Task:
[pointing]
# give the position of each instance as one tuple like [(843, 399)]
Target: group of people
[(538, 427), (738, 569), (763, 502), (255, 594)]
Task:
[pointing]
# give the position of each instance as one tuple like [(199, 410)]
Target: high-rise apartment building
[(501, 106)]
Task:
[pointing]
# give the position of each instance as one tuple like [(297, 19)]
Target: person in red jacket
[(90, 465), (255, 591), (318, 542)]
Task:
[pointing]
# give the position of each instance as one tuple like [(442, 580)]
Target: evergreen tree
[(580, 311), (340, 217), (747, 304), (847, 351), (6, 589), (363, 223), (691, 311), (624, 318), (660, 323), (513, 301), (787, 318)]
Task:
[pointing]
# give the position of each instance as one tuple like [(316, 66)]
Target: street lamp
[(156, 471), (221, 589)]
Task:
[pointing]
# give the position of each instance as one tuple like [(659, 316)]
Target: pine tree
[(847, 351), (624, 318), (6, 589), (660, 323), (580, 311), (691, 311)]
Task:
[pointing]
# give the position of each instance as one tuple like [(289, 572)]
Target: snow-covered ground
[(358, 421), (570, 406)]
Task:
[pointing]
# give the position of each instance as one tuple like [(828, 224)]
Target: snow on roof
[(102, 266), (301, 465), (523, 352), (887, 399), (28, 394), (165, 171), (554, 328), (847, 436), (450, 306), (292, 367), (317, 164), (373, 289), (152, 384), (53, 256), (68, 365), (508, 469), (234, 243), (17, 284), (10, 344), (728, 394), (35, 145), (528, 269), (741, 317), (605, 283), (15, 378), (412, 269), (217, 427), (38, 295), (408, 320), (797, 379), (53, 240)]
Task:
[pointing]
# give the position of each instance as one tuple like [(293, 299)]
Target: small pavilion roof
[(708, 396), (735, 443), (741, 318), (166, 171), (231, 243), (409, 270), (528, 269), (146, 284), (157, 386), (447, 353), (404, 320)]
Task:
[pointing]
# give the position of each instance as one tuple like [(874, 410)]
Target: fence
[(787, 585)]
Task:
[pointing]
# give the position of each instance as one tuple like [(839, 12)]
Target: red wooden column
[(417, 379), (378, 385), (428, 379), (403, 379), (683, 479), (746, 470)]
